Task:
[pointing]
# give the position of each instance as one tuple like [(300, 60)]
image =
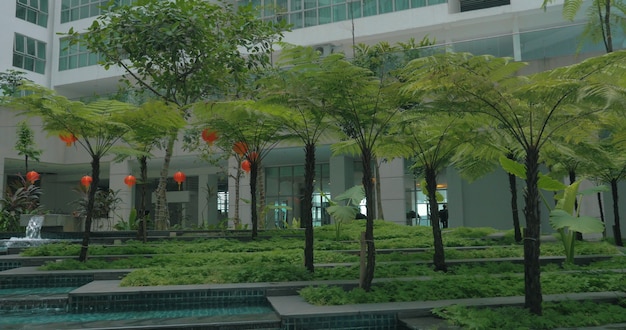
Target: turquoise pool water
[(34, 291), (42, 316)]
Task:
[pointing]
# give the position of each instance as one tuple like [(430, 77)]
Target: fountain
[(32, 238)]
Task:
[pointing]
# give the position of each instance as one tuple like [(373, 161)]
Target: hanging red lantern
[(179, 177), (86, 181), (130, 180), (32, 176), (68, 138), (246, 165), (209, 136), (240, 148)]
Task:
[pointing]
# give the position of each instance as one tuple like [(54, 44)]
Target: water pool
[(48, 316)]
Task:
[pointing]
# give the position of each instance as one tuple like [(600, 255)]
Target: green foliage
[(566, 219), (131, 224), (565, 314), (25, 143), (21, 197), (105, 202), (344, 207)]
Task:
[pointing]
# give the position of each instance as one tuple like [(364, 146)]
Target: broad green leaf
[(342, 213), (513, 167), (354, 195), (560, 219), (547, 183)]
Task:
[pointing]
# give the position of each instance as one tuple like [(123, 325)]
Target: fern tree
[(530, 110), (25, 144), (608, 163), (181, 51), (97, 127), (304, 116), (601, 19), (431, 141), (364, 107), (255, 131)]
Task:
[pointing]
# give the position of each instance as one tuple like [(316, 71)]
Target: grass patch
[(555, 315)]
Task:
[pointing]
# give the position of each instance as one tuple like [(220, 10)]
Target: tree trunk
[(237, 177), (514, 209), (254, 166), (439, 258), (599, 197), (26, 163), (142, 230), (379, 201), (260, 187), (162, 215), (617, 233), (307, 205), (607, 27), (532, 235), (95, 175), (366, 157)]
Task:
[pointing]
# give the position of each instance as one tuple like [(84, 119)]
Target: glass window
[(296, 5), (369, 8), (75, 56), (296, 20), (418, 3), (72, 10), (402, 4), (339, 13), (355, 7), (310, 18), (33, 11), (385, 7), (324, 15), (29, 54)]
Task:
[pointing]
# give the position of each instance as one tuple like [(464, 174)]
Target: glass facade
[(284, 190), (306, 13), (29, 54), (75, 56), (34, 11), (73, 10)]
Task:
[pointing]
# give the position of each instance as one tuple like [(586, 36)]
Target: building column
[(392, 191), (245, 214), (117, 173), (2, 174), (455, 198), (207, 199), (517, 46), (341, 174)]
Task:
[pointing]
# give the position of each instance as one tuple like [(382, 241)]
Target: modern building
[(520, 29)]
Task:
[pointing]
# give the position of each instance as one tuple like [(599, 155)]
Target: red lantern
[(130, 180), (246, 165), (179, 177), (240, 148), (32, 176), (86, 181), (209, 136), (68, 138)]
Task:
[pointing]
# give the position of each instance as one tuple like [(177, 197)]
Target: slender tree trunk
[(366, 157), (617, 233), (260, 187), (379, 200), (514, 209), (95, 175), (607, 26), (162, 215), (599, 197), (26, 163), (142, 230), (532, 235), (237, 178), (439, 258), (253, 203), (307, 205)]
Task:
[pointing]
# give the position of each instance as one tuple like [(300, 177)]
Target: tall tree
[(95, 126), (431, 141), (304, 115), (25, 144), (531, 110), (181, 51), (365, 108), (255, 131), (601, 19)]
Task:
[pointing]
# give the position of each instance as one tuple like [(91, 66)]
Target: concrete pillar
[(455, 188), (2, 175), (207, 199), (517, 46), (392, 190), (117, 173), (245, 213), (341, 174)]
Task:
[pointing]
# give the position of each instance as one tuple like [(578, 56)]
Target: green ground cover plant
[(566, 314)]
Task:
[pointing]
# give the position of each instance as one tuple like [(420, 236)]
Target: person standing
[(443, 216)]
